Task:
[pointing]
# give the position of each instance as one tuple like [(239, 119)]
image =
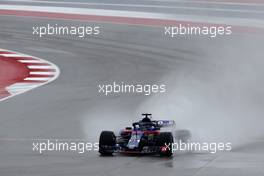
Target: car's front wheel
[(107, 143)]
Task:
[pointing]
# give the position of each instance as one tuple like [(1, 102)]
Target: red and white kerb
[(20, 73)]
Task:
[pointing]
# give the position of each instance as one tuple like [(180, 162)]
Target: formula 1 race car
[(144, 137)]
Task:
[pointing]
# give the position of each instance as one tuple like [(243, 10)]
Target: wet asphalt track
[(121, 53)]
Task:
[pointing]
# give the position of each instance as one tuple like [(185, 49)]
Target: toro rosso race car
[(144, 137)]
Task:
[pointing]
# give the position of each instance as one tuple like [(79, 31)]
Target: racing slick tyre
[(165, 142), (107, 143)]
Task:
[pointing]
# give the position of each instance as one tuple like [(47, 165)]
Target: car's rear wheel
[(165, 142), (107, 143)]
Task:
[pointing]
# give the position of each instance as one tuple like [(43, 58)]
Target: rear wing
[(165, 123)]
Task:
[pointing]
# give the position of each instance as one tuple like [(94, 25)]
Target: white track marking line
[(226, 3), (82, 11), (20, 87), (77, 10), (37, 79), (41, 73), (14, 55), (208, 2), (30, 61), (131, 14), (39, 67), (139, 5)]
